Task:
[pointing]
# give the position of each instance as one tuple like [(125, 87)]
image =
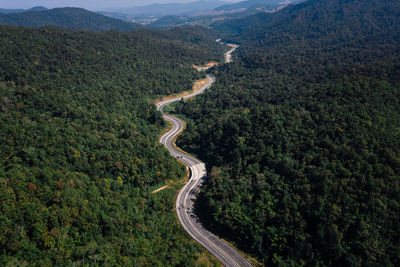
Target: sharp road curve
[(186, 197)]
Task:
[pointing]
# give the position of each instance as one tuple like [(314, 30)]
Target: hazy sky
[(88, 4)]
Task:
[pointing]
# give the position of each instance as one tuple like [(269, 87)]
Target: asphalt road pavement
[(185, 200)]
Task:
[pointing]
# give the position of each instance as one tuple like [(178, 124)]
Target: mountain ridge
[(70, 18)]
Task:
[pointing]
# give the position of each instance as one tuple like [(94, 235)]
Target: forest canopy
[(79, 151), (70, 18), (301, 136)]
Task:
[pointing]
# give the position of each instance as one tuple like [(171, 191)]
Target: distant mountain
[(247, 4), (69, 18), (263, 4), (224, 13), (160, 10), (9, 11), (37, 8), (171, 21)]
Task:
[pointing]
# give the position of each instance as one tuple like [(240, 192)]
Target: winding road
[(186, 197)]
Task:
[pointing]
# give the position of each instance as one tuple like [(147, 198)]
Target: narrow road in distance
[(187, 196), (228, 55)]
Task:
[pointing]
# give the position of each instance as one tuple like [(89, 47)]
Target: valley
[(246, 133)]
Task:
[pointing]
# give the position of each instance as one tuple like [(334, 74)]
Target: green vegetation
[(301, 136), (79, 151), (69, 18)]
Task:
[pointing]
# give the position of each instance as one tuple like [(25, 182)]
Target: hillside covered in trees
[(69, 18), (79, 150), (301, 136)]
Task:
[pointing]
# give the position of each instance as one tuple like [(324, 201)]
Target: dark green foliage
[(79, 148), (301, 138), (316, 24), (69, 18)]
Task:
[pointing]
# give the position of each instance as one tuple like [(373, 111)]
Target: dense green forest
[(301, 136), (69, 17), (79, 150)]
